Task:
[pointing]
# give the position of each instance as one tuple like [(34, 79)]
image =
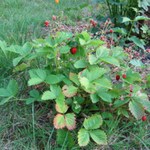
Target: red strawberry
[(148, 50), (93, 23), (144, 118), (111, 31), (124, 76), (46, 23), (131, 90), (117, 77), (73, 50)]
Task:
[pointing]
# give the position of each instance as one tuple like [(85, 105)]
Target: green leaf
[(123, 112), (64, 137), (60, 101), (38, 73), (92, 59), (141, 18), (104, 96), (126, 19), (102, 52), (94, 98), (56, 90), (94, 73), (118, 53), (61, 109), (74, 78), (12, 87), (120, 30), (64, 49), (103, 82), (136, 109), (69, 91), (144, 4), (83, 137), (93, 122), (132, 77), (48, 95), (34, 81), (148, 81), (76, 107), (111, 60), (136, 62), (59, 121), (82, 42), (119, 103), (143, 99), (95, 43), (54, 79), (17, 60), (30, 100), (26, 49), (37, 76), (99, 137), (140, 43), (4, 92), (84, 82), (70, 121), (35, 94), (21, 67), (82, 63), (85, 35), (63, 36)]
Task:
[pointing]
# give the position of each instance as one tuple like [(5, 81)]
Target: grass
[(22, 20), (17, 130)]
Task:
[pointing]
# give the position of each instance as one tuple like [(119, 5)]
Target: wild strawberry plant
[(81, 79)]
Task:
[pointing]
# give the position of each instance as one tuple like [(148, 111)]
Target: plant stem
[(33, 123), (109, 7)]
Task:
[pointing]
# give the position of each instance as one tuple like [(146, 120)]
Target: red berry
[(93, 23), (46, 23), (117, 77), (124, 76), (111, 31), (148, 50), (73, 50), (144, 118), (131, 88), (54, 17)]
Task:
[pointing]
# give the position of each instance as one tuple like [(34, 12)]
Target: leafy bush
[(82, 80)]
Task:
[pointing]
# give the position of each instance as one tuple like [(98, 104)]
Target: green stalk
[(50, 139), (65, 141), (33, 123), (129, 33), (107, 2)]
